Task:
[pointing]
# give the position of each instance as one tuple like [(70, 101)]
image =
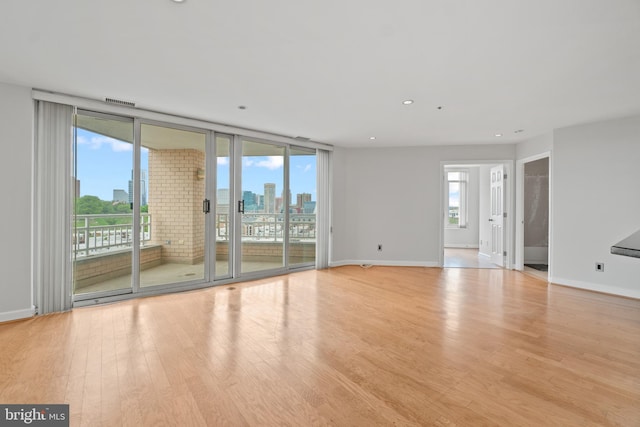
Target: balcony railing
[(99, 234), (96, 234), (269, 227)]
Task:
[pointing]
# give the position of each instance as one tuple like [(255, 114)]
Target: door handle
[(206, 206), (491, 219), (241, 206)]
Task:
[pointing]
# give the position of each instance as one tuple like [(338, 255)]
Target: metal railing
[(269, 227), (96, 234)]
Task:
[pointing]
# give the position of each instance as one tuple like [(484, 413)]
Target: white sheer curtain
[(52, 208), (323, 211)]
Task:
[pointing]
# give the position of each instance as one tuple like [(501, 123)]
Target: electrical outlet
[(379, 248), (600, 266)]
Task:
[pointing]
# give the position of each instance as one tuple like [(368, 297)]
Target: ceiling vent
[(120, 102)]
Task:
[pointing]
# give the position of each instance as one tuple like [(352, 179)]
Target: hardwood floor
[(345, 346), (466, 258)]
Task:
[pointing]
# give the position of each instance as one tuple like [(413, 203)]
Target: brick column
[(175, 204)]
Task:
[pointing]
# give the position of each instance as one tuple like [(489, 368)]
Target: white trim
[(8, 316), (612, 290), (461, 246), (96, 105), (384, 263)]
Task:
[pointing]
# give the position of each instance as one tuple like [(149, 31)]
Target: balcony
[(102, 247)]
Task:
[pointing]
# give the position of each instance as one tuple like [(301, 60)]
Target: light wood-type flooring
[(466, 258), (346, 346)]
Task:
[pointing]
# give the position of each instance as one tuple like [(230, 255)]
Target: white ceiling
[(337, 71)]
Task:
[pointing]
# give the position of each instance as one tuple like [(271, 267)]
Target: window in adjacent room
[(457, 183)]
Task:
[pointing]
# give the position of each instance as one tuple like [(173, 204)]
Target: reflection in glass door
[(172, 183), (103, 216), (261, 206)]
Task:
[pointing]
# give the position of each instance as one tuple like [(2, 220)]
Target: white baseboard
[(460, 246), (613, 290), (17, 314), (385, 263)]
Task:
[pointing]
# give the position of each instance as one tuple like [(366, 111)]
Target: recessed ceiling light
[(519, 131), (407, 101), (242, 107), (439, 107), (372, 138), (498, 135), (178, 1)]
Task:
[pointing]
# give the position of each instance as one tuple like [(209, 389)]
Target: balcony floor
[(170, 273)]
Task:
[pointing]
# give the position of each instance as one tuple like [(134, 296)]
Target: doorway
[(534, 221), (475, 199)]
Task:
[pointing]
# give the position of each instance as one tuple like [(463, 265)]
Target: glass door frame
[(234, 273)]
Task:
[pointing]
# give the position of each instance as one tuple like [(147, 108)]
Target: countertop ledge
[(629, 246)]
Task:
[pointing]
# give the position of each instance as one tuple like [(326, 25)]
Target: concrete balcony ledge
[(109, 265)]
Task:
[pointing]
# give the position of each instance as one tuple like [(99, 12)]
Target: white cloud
[(96, 143), (223, 161), (271, 162), (305, 168)]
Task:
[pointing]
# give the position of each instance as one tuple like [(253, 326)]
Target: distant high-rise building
[(302, 198), (249, 198), (120, 196), (143, 187), (279, 204), (309, 208), (269, 198)]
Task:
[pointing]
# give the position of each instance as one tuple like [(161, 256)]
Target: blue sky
[(105, 164)]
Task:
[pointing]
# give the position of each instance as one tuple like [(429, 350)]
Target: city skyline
[(104, 164)]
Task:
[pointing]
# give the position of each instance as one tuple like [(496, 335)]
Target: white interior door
[(497, 215)]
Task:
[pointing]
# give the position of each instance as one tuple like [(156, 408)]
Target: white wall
[(391, 196), (16, 130), (467, 237), (534, 146), (595, 204)]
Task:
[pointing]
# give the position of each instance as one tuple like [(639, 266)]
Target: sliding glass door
[(103, 213), (172, 190), (161, 205), (261, 206)]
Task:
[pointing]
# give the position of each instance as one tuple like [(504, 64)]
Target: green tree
[(89, 205)]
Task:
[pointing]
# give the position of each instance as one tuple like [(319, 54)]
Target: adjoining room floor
[(466, 258), (544, 275)]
